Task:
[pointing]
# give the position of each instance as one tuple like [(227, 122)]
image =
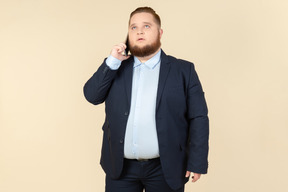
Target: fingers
[(196, 177), (187, 174), (120, 47), (117, 51)]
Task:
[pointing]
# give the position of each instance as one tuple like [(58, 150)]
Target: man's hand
[(117, 51), (195, 177)]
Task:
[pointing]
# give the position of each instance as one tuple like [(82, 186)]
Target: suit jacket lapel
[(164, 70), (128, 74), (163, 74)]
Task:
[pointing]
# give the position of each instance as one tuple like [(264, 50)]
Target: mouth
[(140, 39)]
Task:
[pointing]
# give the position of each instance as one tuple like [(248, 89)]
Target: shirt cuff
[(113, 63)]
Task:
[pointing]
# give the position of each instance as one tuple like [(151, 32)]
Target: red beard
[(147, 49)]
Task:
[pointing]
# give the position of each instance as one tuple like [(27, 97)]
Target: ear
[(160, 32)]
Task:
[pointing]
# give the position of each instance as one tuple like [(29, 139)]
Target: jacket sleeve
[(198, 126), (97, 87)]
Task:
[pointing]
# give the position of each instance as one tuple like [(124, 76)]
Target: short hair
[(147, 10)]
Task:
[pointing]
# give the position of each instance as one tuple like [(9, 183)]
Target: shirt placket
[(138, 103)]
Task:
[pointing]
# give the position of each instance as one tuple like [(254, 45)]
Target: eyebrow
[(143, 23)]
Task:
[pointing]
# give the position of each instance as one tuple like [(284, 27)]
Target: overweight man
[(156, 130)]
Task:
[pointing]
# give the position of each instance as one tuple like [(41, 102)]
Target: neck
[(146, 58)]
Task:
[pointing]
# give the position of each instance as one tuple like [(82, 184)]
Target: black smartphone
[(127, 46)]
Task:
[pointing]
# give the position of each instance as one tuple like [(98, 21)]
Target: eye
[(147, 26), (133, 27)]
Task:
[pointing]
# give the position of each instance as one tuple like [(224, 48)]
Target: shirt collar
[(151, 63)]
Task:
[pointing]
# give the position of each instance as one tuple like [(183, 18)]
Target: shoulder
[(180, 63)]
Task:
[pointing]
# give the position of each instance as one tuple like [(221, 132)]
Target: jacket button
[(121, 141), (126, 113)]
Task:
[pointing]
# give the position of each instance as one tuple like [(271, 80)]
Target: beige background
[(50, 137)]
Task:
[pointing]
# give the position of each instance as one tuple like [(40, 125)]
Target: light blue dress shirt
[(141, 141)]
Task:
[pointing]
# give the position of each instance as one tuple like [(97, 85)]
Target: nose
[(140, 32)]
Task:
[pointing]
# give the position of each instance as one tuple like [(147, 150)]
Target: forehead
[(139, 18)]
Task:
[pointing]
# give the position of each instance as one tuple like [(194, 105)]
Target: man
[(156, 128)]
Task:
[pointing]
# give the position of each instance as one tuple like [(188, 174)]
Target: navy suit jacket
[(181, 117)]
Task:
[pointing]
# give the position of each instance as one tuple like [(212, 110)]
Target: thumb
[(187, 174), (125, 57)]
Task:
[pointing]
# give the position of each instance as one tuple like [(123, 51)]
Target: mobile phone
[(127, 46)]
